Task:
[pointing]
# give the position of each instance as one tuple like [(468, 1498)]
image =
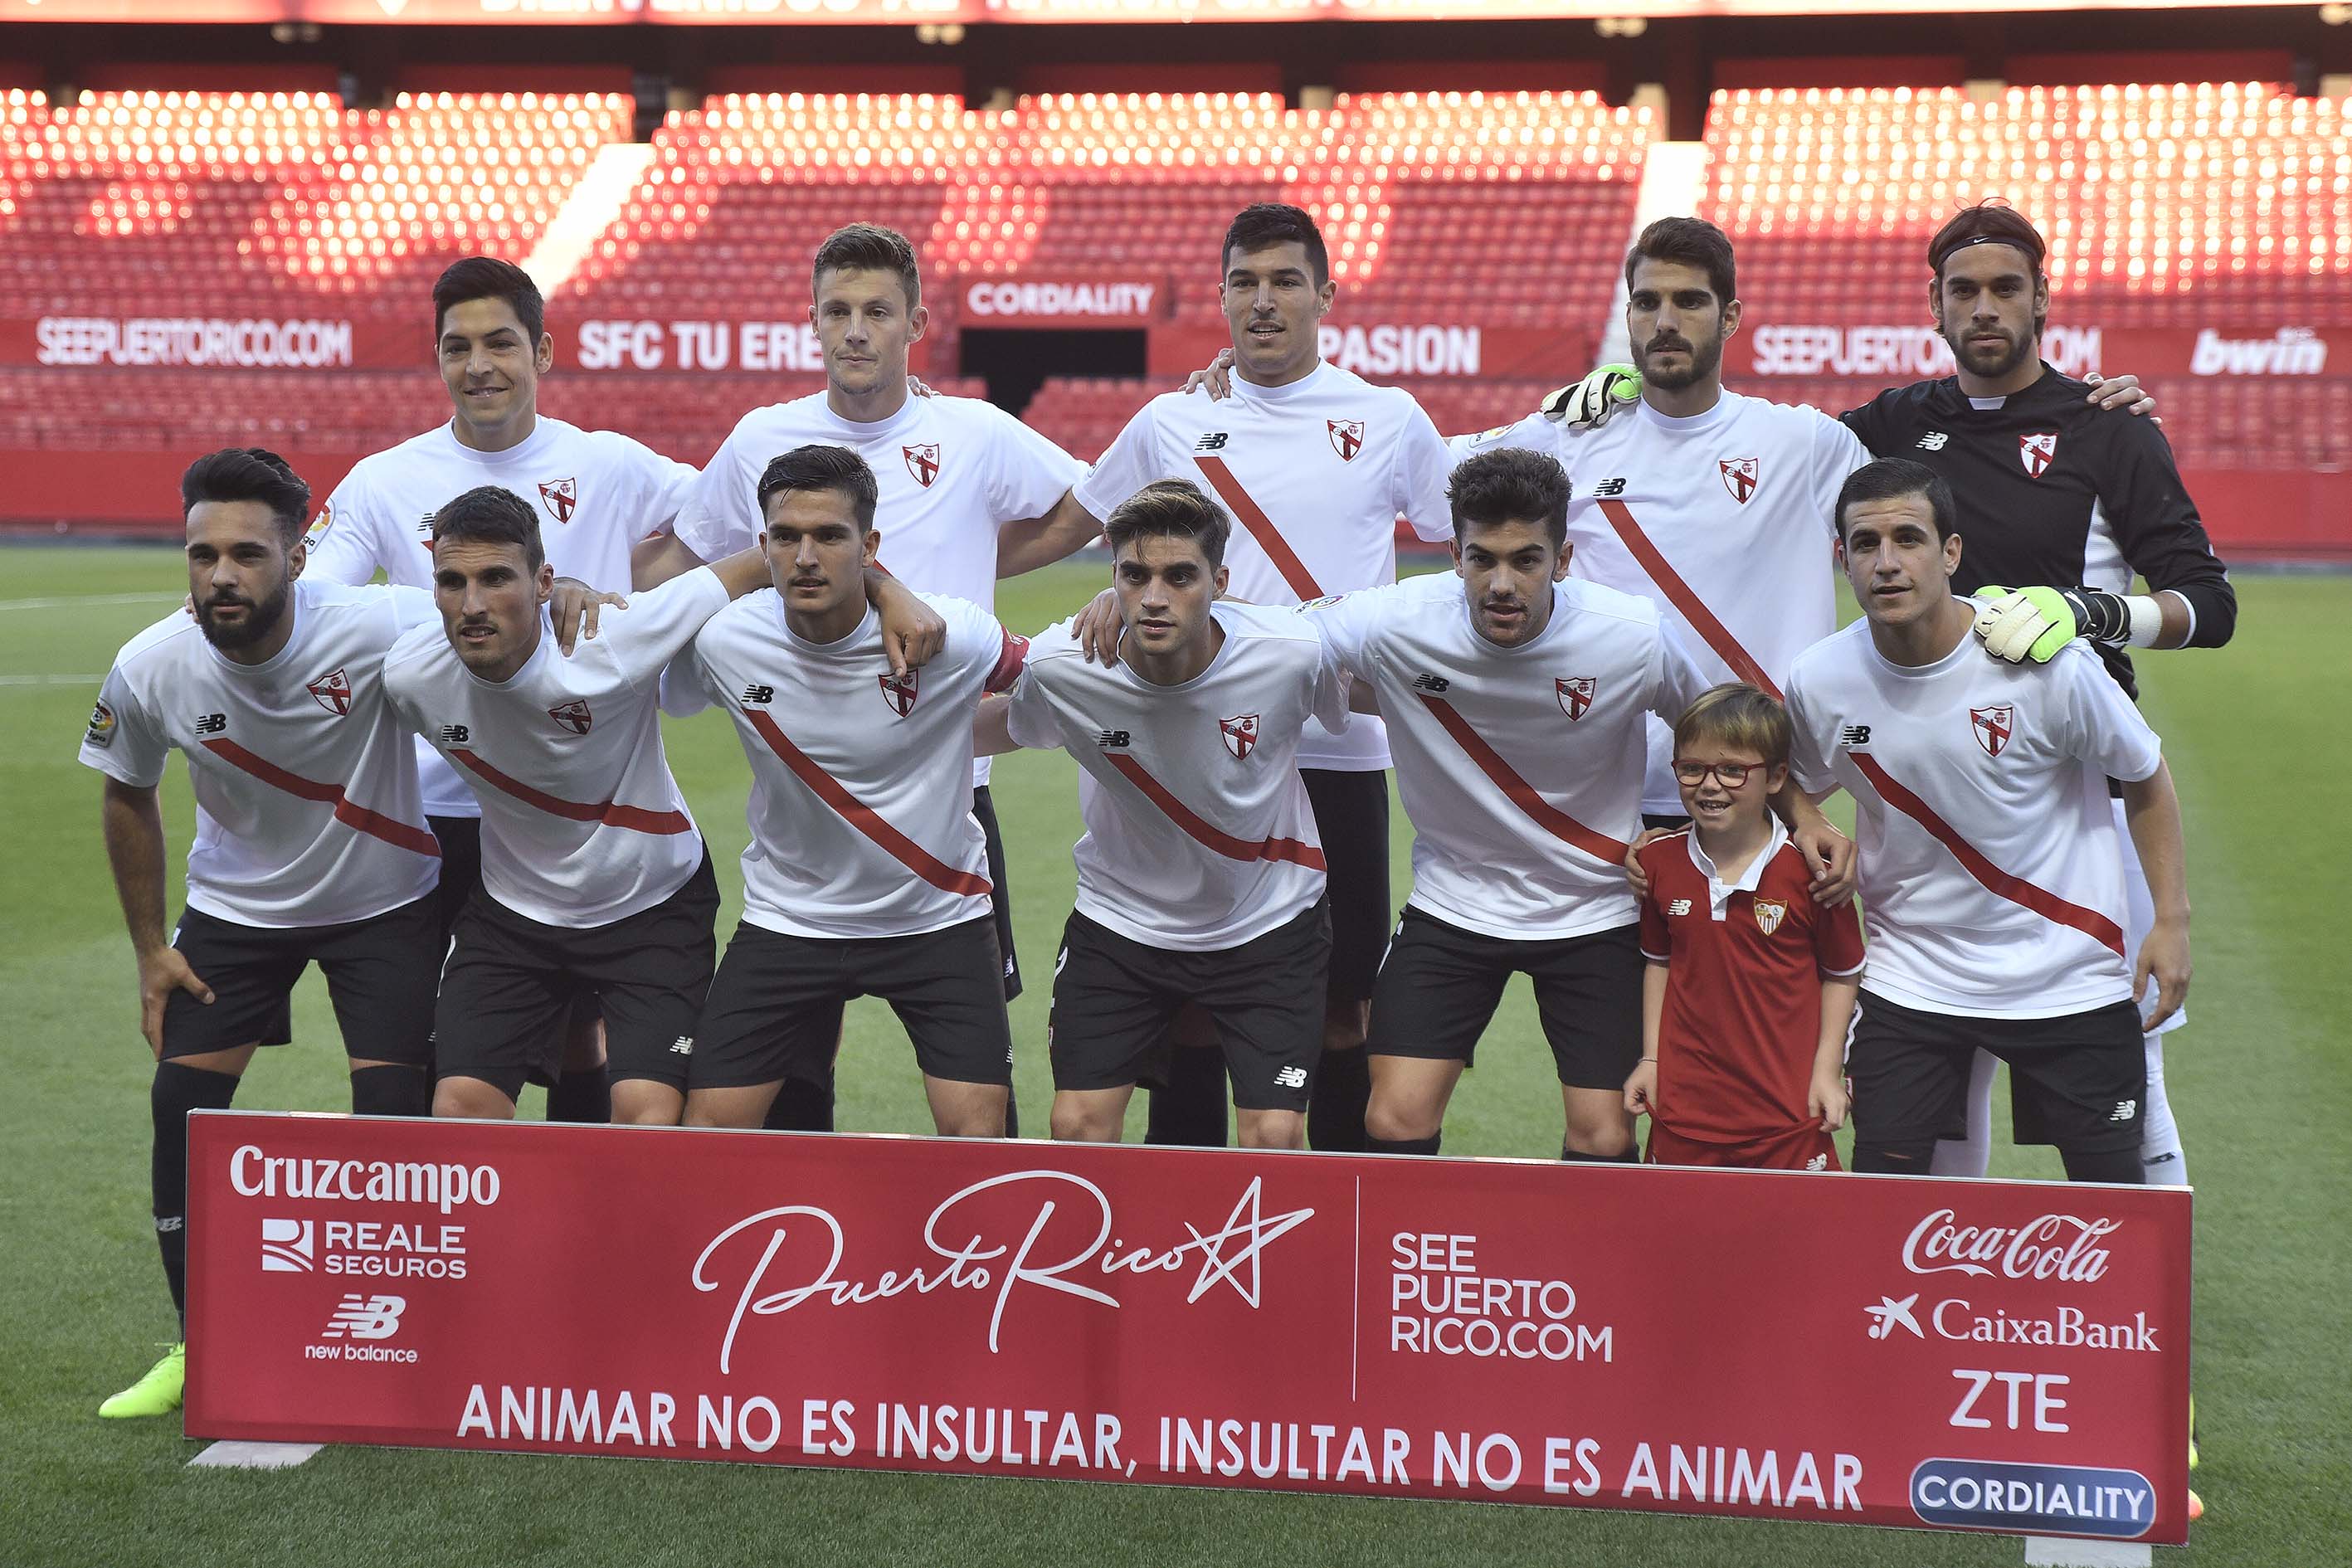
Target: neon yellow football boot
[(158, 1393)]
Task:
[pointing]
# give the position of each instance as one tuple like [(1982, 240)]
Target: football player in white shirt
[(311, 842), (867, 873), (1199, 878), (1516, 700), (599, 496), (594, 879), (1316, 466), (954, 475), (1991, 881)]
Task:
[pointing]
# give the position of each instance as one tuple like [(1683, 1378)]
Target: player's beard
[(260, 622), (1705, 359), (2015, 352)]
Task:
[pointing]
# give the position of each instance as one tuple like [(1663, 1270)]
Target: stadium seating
[(739, 191), (2154, 198), (147, 204)]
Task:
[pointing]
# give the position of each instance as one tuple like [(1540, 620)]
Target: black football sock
[(1011, 1113), (1189, 1110), (390, 1092), (801, 1106), (1335, 1106), (177, 1090), (2121, 1166), (1912, 1158), (1402, 1145), (582, 1095), (1631, 1156)]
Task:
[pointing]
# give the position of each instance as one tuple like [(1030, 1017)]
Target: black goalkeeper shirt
[(2052, 491)]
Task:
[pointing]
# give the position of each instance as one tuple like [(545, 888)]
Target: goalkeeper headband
[(1936, 263)]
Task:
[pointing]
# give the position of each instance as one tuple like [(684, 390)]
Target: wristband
[(2102, 616), (2146, 620)]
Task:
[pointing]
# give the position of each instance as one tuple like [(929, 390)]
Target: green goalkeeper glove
[(2022, 623), (1587, 403)]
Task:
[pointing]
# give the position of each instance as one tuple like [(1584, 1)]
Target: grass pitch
[(2261, 1080)]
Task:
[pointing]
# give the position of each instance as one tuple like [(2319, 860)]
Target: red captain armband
[(1010, 660)]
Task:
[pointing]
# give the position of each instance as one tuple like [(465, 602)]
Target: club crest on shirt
[(1575, 694), (1770, 913), (1738, 477), (560, 498), (1241, 734), (898, 690), (923, 462), (334, 692), (1992, 727), (573, 716), (2037, 449), (1347, 437)]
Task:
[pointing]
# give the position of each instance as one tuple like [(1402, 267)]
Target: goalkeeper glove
[(2022, 623), (1587, 403)]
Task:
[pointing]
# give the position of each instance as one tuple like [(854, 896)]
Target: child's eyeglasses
[(1731, 776)]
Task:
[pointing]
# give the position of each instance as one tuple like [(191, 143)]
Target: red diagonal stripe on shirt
[(864, 818), (1291, 849), (1524, 795), (2016, 889), (1679, 594), (348, 812), (1269, 538), (635, 818)]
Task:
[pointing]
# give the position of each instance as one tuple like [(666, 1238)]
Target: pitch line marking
[(50, 679), (240, 1456), (74, 601)]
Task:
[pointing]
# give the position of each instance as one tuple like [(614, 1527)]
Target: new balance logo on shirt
[(1608, 488), (1113, 740), (454, 734), (1679, 907), (1854, 735), (211, 723), (755, 693), (1214, 441), (1431, 683), (1934, 441)]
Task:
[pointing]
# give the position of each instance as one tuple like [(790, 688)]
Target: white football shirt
[(1520, 767), (861, 801), (307, 806), (1314, 476), (1991, 867), (1727, 519), (598, 495), (1199, 835), (949, 473), (582, 823)]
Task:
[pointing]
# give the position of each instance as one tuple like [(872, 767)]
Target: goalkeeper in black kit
[(2061, 508)]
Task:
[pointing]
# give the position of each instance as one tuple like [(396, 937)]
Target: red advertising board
[(871, 12), (1989, 1355), (1064, 299), (1387, 351), (1894, 355)]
